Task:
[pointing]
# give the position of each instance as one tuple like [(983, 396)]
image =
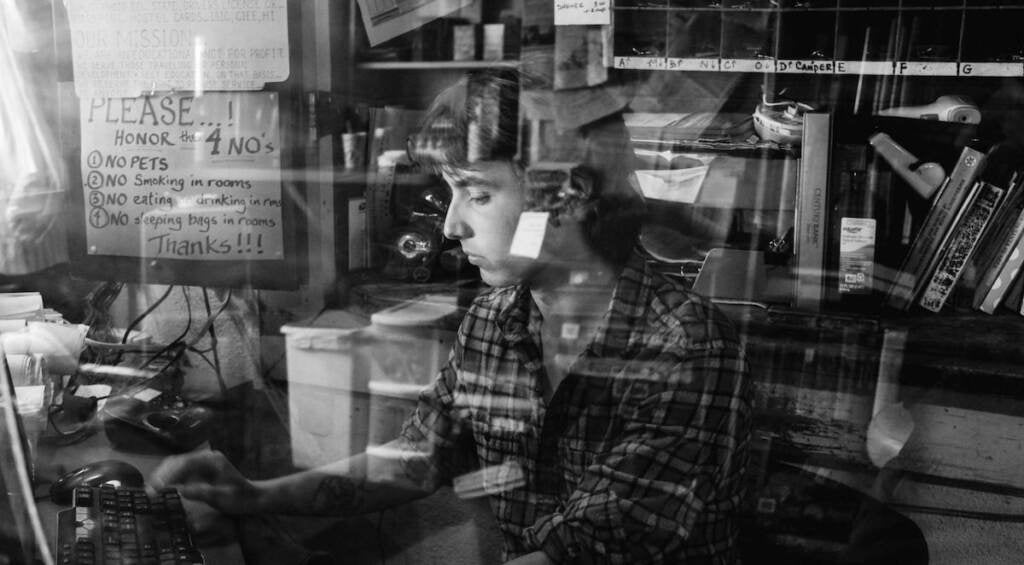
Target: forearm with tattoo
[(339, 495)]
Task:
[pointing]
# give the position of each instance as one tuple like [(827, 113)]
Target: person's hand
[(209, 477)]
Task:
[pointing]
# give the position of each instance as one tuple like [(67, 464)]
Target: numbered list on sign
[(176, 176)]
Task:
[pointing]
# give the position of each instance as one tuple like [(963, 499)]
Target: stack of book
[(970, 241), (969, 244)]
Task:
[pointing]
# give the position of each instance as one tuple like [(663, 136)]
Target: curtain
[(32, 182)]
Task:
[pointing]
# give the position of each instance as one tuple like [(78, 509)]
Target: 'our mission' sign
[(179, 176), (124, 48)]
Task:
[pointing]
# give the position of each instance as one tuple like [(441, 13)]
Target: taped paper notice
[(179, 176), (583, 12), (529, 234), (123, 49), (384, 19)]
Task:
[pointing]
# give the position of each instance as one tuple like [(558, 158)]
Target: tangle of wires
[(176, 349), (159, 359)]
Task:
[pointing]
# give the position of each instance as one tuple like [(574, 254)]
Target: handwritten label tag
[(583, 12), (529, 234)]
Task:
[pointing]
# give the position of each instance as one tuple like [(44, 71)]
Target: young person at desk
[(610, 405)]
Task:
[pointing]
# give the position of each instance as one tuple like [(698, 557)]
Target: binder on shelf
[(996, 245), (962, 242), (811, 234), (1004, 278), (948, 201), (1013, 301)]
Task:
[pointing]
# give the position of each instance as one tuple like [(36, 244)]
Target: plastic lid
[(429, 309), (329, 320), (400, 390)]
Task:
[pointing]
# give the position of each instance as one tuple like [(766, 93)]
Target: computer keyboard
[(125, 526)]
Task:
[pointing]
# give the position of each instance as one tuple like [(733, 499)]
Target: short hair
[(477, 118)]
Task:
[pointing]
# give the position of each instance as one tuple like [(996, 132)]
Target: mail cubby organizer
[(953, 38), (865, 35), (988, 37), (809, 35), (749, 34)]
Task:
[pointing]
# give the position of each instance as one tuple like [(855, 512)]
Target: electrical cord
[(210, 320), (126, 347), (202, 355), (146, 312), (179, 342), (213, 341), (138, 320)]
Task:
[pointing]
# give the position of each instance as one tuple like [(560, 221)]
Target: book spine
[(1002, 243), (1018, 292), (1012, 301), (810, 233), (948, 201), (962, 243), (1004, 279)]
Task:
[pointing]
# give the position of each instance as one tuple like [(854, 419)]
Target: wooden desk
[(214, 534)]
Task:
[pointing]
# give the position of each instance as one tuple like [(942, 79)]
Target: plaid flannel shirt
[(638, 457)]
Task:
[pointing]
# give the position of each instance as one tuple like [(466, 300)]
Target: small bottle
[(854, 218)]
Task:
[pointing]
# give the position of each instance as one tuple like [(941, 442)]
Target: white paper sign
[(124, 49), (181, 177), (385, 19), (529, 236), (583, 12)]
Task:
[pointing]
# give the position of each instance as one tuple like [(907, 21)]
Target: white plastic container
[(328, 394), (411, 341), (390, 404)]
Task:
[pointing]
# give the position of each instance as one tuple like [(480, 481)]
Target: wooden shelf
[(434, 65), (364, 177)]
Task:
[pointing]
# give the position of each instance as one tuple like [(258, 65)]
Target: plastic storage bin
[(328, 394), (390, 404), (411, 341)]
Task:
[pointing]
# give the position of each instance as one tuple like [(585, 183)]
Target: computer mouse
[(110, 471)]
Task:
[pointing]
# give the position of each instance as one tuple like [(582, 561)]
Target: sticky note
[(570, 330), (583, 12), (529, 236)]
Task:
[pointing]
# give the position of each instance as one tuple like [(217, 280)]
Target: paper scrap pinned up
[(385, 19), (583, 12), (529, 236)]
